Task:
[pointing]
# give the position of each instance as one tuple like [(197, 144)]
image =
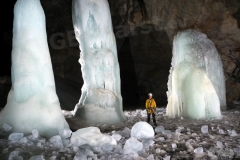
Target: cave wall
[(144, 31)]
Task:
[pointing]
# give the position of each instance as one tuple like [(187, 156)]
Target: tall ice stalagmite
[(32, 101), (196, 84), (101, 100)]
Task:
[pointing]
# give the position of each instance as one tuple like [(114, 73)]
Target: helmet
[(149, 94)]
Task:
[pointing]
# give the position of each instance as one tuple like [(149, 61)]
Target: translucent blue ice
[(32, 101), (196, 85), (101, 100)]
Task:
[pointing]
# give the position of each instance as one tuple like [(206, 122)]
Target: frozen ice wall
[(32, 101), (101, 100), (196, 85)]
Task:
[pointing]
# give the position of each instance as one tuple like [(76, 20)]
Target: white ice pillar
[(32, 101), (101, 100), (196, 84)]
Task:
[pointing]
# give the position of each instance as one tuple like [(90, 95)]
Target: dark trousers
[(153, 117)]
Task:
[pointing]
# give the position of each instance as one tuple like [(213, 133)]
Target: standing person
[(151, 108)]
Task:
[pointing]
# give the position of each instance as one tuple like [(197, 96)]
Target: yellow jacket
[(151, 106)]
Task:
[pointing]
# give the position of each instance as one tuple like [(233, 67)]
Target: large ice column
[(32, 101), (196, 85), (101, 100)]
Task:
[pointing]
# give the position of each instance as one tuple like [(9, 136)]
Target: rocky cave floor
[(175, 138)]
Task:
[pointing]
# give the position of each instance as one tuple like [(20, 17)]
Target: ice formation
[(142, 130), (32, 101), (204, 129), (132, 145), (196, 85), (101, 100), (91, 136)]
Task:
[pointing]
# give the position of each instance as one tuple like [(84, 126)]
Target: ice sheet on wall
[(196, 85), (32, 101), (101, 100)]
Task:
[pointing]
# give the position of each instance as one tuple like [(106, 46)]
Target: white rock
[(142, 130), (38, 157), (117, 137), (65, 142), (6, 127), (237, 151), (178, 131), (143, 153), (107, 147), (23, 140), (118, 148), (126, 132), (150, 157), (147, 143), (167, 133), (15, 137), (198, 150), (174, 145), (132, 144), (204, 129), (159, 129), (13, 154), (221, 131), (167, 158), (233, 133), (162, 139), (92, 137), (219, 144), (212, 156), (158, 150), (35, 133), (39, 144), (65, 133), (144, 113), (56, 141), (212, 137)]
